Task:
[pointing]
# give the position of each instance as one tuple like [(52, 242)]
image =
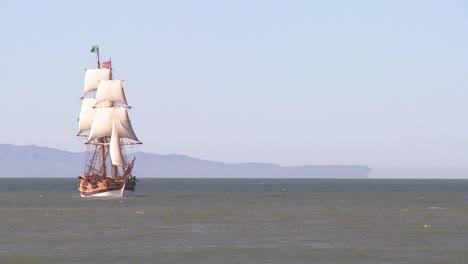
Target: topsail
[(110, 90), (93, 77)]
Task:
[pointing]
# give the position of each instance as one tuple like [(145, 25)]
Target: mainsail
[(107, 119)]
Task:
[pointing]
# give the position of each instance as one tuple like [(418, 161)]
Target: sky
[(376, 83)]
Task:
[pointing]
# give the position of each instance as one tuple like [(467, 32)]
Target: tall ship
[(105, 125)]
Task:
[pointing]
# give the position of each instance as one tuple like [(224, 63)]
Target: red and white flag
[(106, 64)]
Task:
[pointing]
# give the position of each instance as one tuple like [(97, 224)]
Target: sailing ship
[(108, 133)]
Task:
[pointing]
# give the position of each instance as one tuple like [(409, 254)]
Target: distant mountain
[(34, 161)]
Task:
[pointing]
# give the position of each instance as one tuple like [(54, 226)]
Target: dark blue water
[(237, 221)]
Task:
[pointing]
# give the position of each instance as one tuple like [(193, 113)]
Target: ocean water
[(237, 221)]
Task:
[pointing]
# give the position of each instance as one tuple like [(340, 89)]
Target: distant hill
[(34, 161)]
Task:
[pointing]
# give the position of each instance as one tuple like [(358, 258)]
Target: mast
[(102, 147), (114, 170), (97, 54), (110, 67)]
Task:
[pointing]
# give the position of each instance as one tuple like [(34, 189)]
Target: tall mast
[(114, 170), (102, 147), (97, 54), (110, 67)]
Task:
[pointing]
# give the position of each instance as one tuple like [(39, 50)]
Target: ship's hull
[(95, 186), (115, 193)]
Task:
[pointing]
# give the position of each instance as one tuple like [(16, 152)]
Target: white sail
[(114, 148), (92, 78), (123, 124), (104, 121), (86, 115), (110, 90)]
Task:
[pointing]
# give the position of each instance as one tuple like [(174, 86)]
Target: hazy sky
[(377, 83)]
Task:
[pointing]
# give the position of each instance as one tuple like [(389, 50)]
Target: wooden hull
[(94, 185)]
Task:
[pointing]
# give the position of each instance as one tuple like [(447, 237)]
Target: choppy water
[(237, 221)]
